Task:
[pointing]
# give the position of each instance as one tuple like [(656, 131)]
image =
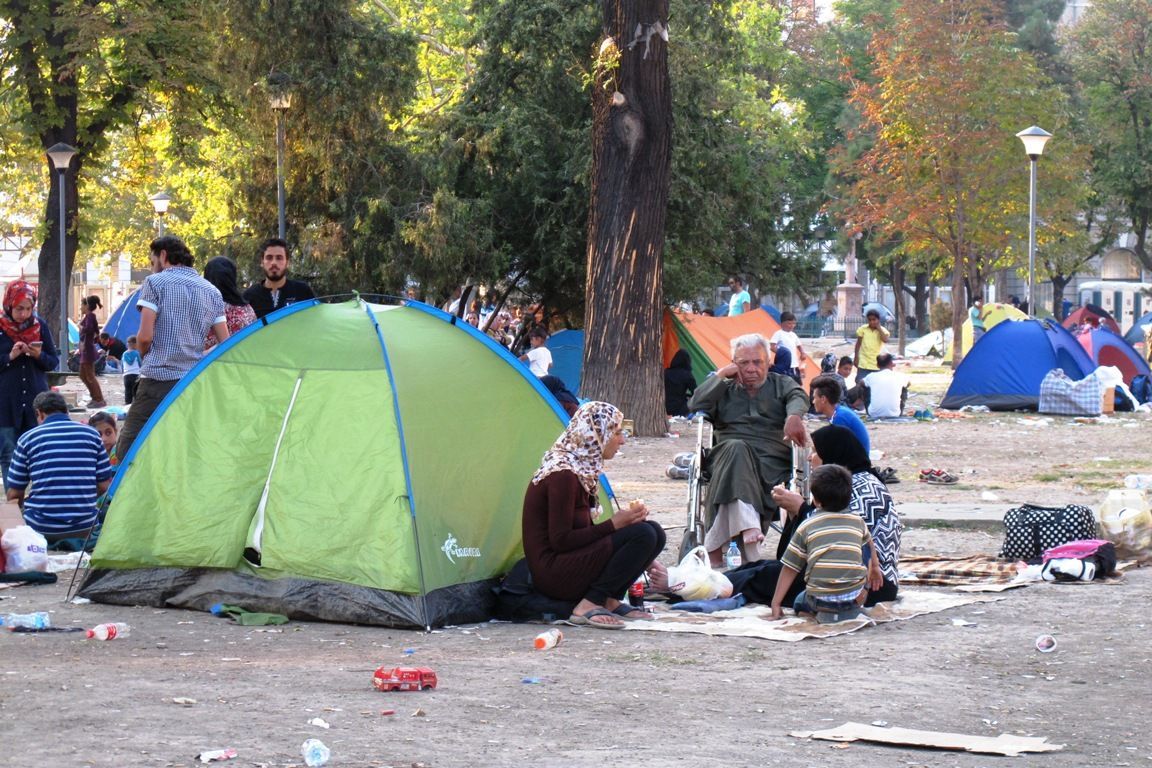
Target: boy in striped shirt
[(829, 548), (67, 467)]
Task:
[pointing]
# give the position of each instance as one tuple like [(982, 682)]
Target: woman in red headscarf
[(27, 353)]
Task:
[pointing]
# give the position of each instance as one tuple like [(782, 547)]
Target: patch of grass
[(1049, 477)]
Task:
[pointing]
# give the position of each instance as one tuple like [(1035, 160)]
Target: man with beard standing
[(276, 291)]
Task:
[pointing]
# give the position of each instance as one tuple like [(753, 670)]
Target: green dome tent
[(346, 462)]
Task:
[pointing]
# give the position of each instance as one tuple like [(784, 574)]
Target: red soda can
[(636, 594)]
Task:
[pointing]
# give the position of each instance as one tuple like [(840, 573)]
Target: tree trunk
[(896, 275), (631, 158), (959, 308), (48, 299)]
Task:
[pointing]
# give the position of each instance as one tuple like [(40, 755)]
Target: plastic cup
[(1045, 643)]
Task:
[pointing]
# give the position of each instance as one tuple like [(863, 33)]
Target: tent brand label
[(453, 551)]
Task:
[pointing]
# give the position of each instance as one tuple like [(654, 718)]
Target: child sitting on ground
[(105, 423), (829, 547)]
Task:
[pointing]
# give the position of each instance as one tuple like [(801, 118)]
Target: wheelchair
[(699, 520)]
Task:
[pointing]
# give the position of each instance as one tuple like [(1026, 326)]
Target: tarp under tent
[(997, 313), (1004, 371), (125, 319), (1108, 348), (350, 445), (1084, 314)]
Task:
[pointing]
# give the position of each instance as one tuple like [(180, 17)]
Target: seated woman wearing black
[(570, 555), (679, 384), (870, 499)]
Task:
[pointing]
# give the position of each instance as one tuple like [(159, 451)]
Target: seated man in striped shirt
[(66, 465), (829, 547)]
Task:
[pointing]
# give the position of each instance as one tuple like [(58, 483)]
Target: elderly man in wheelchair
[(757, 417)]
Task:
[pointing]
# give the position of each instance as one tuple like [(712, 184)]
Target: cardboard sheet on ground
[(1004, 744), (751, 620)]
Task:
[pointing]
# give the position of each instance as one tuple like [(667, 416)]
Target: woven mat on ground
[(945, 570), (751, 620), (978, 573)]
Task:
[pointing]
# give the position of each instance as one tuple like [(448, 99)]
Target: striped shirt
[(828, 548), (63, 461), (186, 307)]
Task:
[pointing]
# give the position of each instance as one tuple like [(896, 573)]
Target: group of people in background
[(183, 314)]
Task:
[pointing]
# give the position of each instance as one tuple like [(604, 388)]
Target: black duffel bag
[(1029, 530)]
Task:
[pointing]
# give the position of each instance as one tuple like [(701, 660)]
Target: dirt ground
[(185, 682)]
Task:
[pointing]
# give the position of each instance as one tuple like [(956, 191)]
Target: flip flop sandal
[(625, 611), (585, 619), (888, 476)]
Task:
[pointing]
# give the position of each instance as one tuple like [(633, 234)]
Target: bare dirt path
[(630, 698)]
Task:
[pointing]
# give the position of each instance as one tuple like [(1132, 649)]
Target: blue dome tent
[(125, 319), (1004, 369)]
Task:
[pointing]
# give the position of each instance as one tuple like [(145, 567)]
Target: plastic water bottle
[(109, 631), (315, 753), (732, 558), (39, 620), (549, 639)]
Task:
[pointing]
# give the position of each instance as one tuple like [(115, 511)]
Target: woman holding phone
[(27, 353)]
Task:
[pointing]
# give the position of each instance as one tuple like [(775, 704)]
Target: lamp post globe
[(160, 202)]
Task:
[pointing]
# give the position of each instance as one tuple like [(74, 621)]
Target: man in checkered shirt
[(177, 309)]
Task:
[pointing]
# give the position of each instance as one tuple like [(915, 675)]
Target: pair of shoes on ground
[(888, 476), (925, 414), (938, 477)]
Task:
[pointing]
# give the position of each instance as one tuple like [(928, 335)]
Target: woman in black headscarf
[(679, 384), (221, 272)]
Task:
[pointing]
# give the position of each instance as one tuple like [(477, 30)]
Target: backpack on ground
[(1141, 388), (1097, 556), (1030, 530), (518, 600)]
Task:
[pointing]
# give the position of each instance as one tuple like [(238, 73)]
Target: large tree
[(631, 158), (75, 72), (944, 175), (1111, 54)]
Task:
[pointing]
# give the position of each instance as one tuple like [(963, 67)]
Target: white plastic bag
[(24, 550), (694, 579), (1126, 521)]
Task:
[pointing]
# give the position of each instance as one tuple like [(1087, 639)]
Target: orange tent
[(708, 339)]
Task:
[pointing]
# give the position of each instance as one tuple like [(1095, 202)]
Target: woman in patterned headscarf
[(27, 353), (570, 555)]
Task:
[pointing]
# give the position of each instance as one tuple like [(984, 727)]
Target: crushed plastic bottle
[(39, 620), (1138, 482), (109, 631), (315, 753)]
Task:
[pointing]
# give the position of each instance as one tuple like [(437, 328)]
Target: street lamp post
[(160, 202), (281, 102), (61, 156), (1034, 139)]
